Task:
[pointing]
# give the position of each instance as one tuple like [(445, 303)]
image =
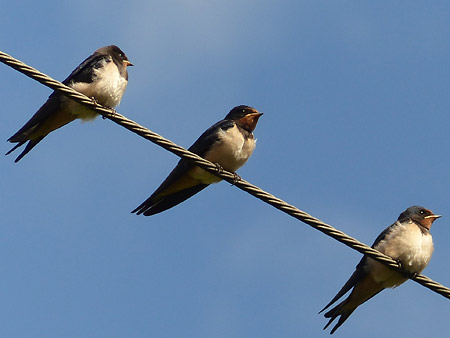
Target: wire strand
[(230, 177)]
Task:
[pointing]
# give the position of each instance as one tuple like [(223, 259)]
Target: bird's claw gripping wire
[(220, 170), (218, 167), (236, 178), (112, 110)]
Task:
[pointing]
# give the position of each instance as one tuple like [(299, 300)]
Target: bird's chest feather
[(231, 151), (109, 85), (107, 88), (407, 244)]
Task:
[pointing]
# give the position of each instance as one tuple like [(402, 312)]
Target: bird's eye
[(422, 212)]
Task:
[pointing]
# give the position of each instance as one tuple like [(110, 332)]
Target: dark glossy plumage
[(162, 200), (56, 112)]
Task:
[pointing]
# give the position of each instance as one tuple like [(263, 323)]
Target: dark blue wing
[(200, 147), (383, 234), (85, 71), (209, 137), (359, 272)]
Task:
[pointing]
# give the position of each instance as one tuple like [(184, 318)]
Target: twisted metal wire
[(230, 177)]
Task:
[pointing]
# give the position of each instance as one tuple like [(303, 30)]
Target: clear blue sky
[(355, 130)]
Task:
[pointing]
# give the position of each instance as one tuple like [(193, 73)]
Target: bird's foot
[(218, 167), (220, 170), (236, 178), (97, 105)]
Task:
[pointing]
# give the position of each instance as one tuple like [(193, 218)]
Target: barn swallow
[(102, 76), (228, 143), (408, 241)]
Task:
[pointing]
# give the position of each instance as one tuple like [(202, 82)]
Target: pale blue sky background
[(355, 130)]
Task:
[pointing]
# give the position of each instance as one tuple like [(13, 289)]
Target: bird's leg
[(236, 178), (220, 170), (113, 111), (218, 167), (97, 104)]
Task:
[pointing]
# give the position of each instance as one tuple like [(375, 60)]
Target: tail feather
[(339, 310), (156, 205), (357, 275), (364, 290), (30, 145), (23, 135), (15, 147), (51, 116)]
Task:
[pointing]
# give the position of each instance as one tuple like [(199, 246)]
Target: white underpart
[(408, 245), (107, 89), (231, 151)]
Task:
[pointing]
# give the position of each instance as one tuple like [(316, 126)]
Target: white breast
[(407, 244), (107, 89), (231, 151)]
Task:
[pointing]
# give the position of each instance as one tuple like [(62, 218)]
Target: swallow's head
[(116, 53), (245, 117), (420, 215)]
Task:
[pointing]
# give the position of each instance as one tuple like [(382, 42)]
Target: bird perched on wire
[(407, 241), (102, 76), (228, 143)]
